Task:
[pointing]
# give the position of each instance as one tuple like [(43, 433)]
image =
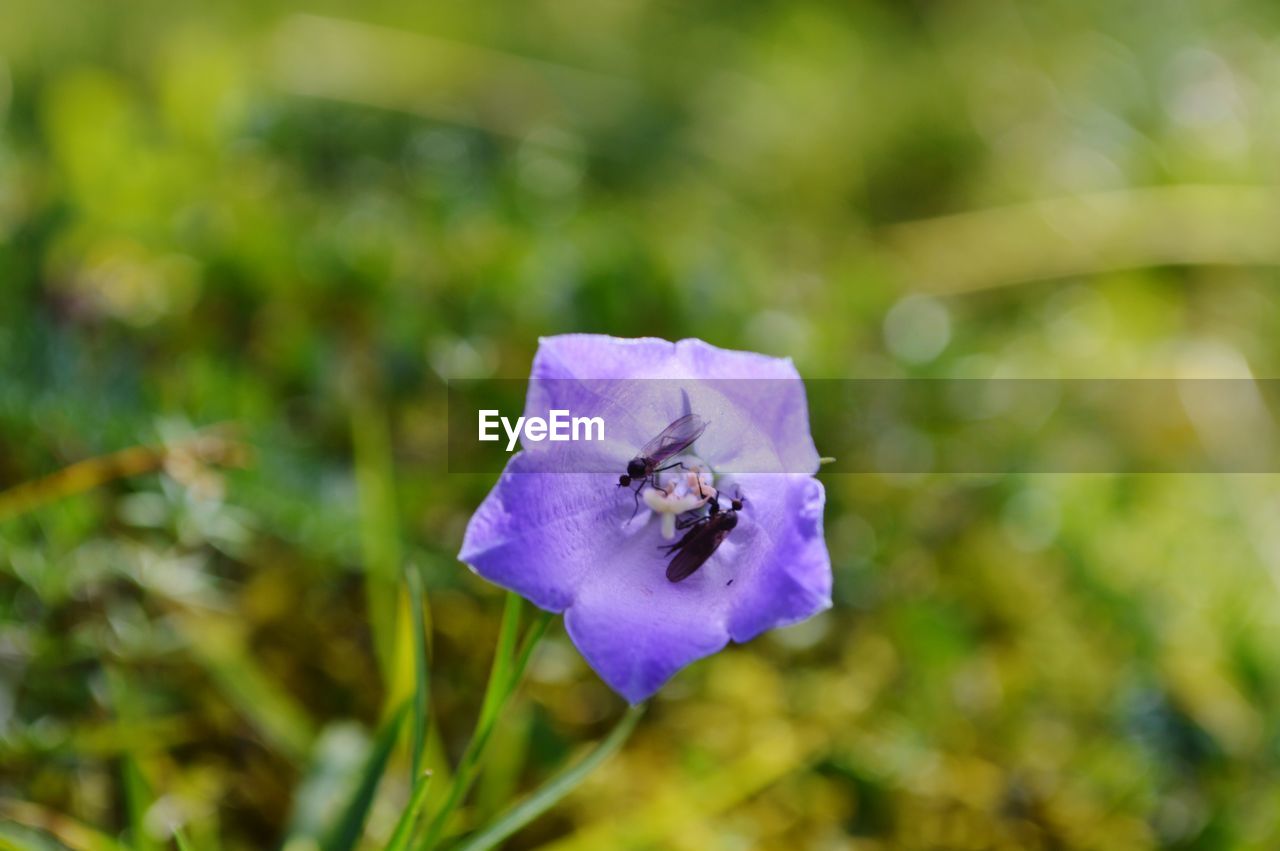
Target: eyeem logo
[(559, 425)]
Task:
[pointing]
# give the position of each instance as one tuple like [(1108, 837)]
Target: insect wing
[(696, 547), (674, 439)]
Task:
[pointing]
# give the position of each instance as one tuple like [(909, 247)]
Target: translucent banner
[(888, 426)]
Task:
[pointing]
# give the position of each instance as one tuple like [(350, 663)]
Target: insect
[(705, 535), (670, 442)]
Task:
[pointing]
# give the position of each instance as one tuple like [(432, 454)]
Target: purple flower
[(559, 531)]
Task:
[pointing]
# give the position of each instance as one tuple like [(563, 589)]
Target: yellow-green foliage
[(299, 221)]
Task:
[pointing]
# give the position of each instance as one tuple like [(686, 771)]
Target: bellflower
[(558, 530)]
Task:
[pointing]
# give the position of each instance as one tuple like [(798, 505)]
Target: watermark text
[(558, 425)]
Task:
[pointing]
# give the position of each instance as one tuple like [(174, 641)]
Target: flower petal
[(537, 533), (795, 581), (602, 356), (636, 629), (756, 402)]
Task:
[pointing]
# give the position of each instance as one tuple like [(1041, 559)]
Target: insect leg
[(697, 477), (636, 510), (653, 477)]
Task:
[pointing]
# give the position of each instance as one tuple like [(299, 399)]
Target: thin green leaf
[(436, 760), (92, 473), (508, 667), (537, 629), (137, 792), (409, 818), (137, 797), (25, 825), (350, 827), (422, 670), (380, 535), (14, 838), (181, 838), (555, 789), (504, 763), (500, 673)]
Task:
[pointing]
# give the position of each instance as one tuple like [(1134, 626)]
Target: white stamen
[(686, 490)]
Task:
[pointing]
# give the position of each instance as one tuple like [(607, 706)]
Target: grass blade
[(409, 818), (137, 792), (14, 838), (350, 827), (181, 838), (508, 667), (422, 671), (212, 445), (67, 830), (380, 540), (551, 792), (504, 763), (137, 798), (503, 659)]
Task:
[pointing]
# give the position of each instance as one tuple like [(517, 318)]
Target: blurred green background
[(297, 222)]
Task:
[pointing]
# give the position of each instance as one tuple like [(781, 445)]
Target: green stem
[(508, 668), (551, 792)]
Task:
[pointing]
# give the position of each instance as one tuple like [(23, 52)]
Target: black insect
[(706, 533), (670, 442)]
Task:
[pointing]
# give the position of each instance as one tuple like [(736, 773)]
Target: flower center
[(680, 489)]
